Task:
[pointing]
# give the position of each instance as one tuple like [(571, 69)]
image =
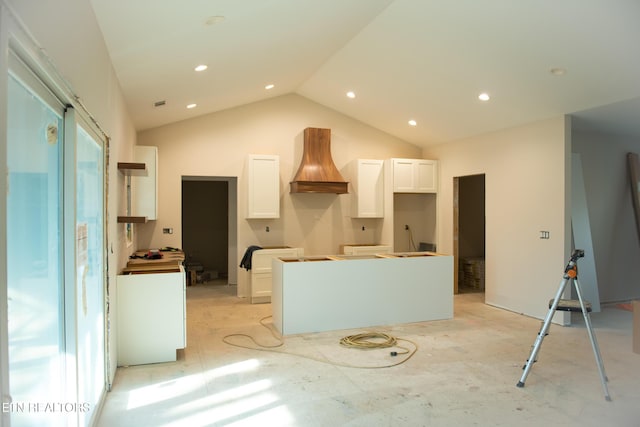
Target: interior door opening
[(469, 233), (209, 229)]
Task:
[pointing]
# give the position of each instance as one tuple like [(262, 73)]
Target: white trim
[(4, 329)]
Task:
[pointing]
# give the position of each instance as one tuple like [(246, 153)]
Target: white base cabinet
[(261, 261), (152, 317)]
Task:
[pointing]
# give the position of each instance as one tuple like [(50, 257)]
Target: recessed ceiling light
[(484, 96), (212, 20), (558, 71), (201, 67), (351, 94), (269, 86), (412, 123), (190, 106)]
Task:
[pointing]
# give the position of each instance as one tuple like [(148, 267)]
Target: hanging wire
[(412, 243)]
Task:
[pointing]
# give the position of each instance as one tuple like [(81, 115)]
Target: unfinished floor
[(464, 373)]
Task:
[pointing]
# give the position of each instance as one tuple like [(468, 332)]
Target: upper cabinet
[(415, 176), (367, 185), (263, 186), (145, 187)]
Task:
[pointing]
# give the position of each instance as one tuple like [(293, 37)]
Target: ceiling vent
[(317, 172)]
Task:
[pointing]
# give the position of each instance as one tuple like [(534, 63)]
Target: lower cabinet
[(152, 317), (261, 271)]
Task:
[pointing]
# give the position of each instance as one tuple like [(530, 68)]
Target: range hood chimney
[(317, 172)]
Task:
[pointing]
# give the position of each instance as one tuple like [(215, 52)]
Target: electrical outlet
[(406, 226), (544, 235), (167, 230)]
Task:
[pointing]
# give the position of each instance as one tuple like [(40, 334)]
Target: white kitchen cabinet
[(367, 185), (415, 176), (263, 186), (145, 187), (261, 261), (152, 317)]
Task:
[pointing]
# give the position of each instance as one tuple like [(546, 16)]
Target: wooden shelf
[(131, 167), (132, 219)]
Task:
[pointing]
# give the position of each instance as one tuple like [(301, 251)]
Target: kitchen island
[(314, 294)]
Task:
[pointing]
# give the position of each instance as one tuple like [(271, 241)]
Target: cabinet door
[(403, 181), (260, 285), (368, 189), (415, 176), (426, 172), (263, 186)]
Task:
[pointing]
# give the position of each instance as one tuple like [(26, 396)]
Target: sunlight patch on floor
[(241, 402), (234, 368), (163, 391)]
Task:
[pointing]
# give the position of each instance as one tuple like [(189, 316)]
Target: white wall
[(418, 211), (217, 145), (527, 184), (613, 228)]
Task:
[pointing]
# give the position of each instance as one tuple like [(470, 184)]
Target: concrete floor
[(464, 373)]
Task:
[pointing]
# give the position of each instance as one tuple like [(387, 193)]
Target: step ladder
[(559, 304)]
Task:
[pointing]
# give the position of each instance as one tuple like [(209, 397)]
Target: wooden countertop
[(170, 262)]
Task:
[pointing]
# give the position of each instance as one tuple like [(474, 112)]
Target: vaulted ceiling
[(422, 60)]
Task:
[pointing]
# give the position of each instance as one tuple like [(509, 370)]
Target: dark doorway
[(205, 227), (469, 196)]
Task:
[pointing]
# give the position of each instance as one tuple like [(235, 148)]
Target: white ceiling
[(425, 60)]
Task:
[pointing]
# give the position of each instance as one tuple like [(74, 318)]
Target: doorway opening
[(209, 228), (469, 233)]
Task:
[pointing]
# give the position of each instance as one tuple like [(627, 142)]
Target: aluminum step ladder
[(558, 304)]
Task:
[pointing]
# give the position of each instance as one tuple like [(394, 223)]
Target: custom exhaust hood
[(317, 172)]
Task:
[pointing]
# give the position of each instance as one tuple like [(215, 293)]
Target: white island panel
[(315, 296)]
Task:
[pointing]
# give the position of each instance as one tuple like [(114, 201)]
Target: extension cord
[(358, 341)]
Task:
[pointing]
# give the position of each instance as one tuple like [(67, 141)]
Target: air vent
[(159, 103)]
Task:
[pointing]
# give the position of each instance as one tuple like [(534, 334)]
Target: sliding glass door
[(55, 258), (34, 255)]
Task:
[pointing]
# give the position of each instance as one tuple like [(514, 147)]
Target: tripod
[(579, 305)]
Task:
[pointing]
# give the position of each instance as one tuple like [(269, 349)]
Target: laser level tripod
[(579, 305)]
